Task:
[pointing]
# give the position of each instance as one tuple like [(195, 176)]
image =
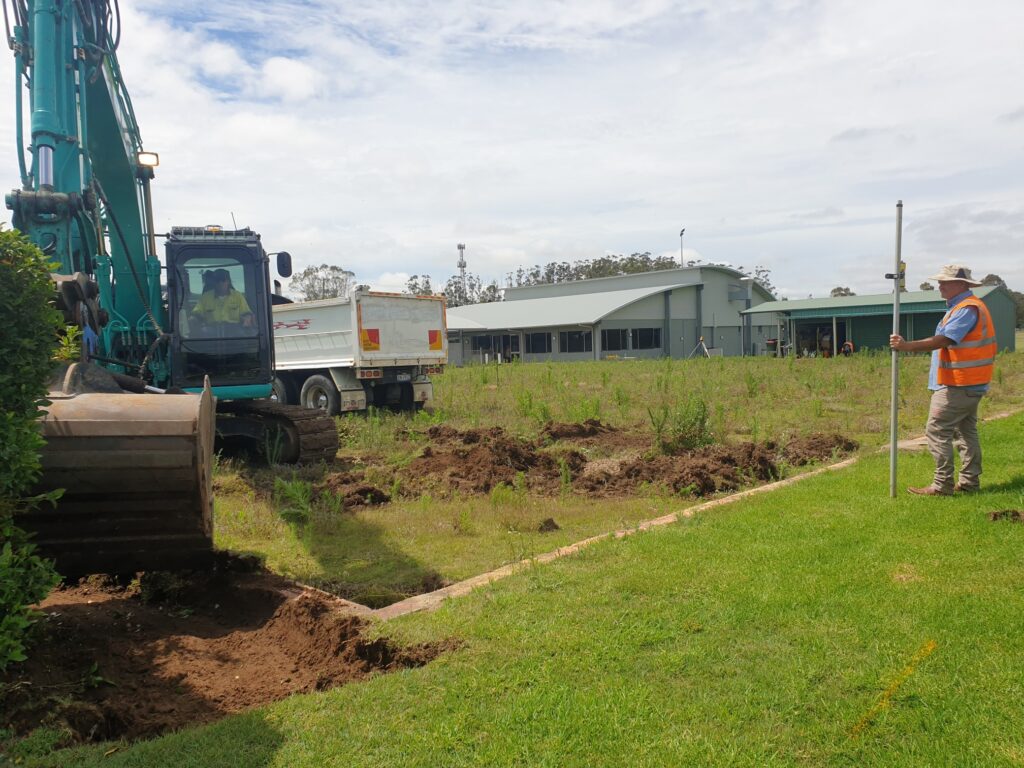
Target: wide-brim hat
[(951, 272)]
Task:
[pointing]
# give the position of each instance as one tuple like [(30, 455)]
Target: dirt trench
[(109, 665)]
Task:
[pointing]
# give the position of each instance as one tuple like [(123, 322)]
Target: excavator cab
[(218, 297)]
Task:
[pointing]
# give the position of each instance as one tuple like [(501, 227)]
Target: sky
[(377, 135)]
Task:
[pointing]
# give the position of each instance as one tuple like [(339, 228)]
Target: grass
[(415, 544), (822, 624), (378, 555), (758, 397)]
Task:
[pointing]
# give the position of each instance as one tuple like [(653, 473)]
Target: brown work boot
[(928, 491), (961, 488)]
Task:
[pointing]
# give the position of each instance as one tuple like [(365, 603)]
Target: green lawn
[(821, 624)]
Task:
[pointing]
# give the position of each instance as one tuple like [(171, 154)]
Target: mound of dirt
[(700, 473), (816, 447), (475, 461), (109, 665), (354, 490), (554, 430), (1013, 515)]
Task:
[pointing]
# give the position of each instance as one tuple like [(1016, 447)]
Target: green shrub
[(26, 346), (294, 500), (685, 428)]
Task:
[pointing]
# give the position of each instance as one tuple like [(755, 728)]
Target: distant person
[(222, 304), (847, 348), (963, 357)]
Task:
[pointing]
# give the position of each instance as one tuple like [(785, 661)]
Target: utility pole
[(682, 262)]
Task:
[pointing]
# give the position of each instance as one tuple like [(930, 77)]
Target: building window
[(538, 343), (480, 343), (575, 341), (646, 338), (613, 339)]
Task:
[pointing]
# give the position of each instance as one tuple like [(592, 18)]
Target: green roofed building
[(821, 326)]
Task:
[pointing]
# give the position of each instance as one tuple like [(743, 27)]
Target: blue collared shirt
[(959, 325)]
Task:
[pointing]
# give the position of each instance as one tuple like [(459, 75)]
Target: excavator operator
[(222, 305)]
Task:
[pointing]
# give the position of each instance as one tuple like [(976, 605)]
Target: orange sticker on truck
[(369, 339), (435, 340)]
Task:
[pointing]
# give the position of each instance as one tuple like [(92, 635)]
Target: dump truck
[(368, 348)]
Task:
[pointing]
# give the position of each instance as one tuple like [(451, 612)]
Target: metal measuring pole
[(897, 276)]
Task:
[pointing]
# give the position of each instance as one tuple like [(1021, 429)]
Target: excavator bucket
[(135, 470)]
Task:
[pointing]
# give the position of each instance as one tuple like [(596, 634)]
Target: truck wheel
[(320, 393), (283, 391)]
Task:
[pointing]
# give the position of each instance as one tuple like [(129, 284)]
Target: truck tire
[(283, 391), (320, 393)]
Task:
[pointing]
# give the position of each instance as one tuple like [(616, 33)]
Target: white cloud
[(288, 80)]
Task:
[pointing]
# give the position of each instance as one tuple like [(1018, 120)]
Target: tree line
[(327, 281)]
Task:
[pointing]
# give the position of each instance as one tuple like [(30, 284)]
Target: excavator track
[(307, 436)]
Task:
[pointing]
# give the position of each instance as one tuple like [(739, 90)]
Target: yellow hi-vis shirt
[(212, 308)]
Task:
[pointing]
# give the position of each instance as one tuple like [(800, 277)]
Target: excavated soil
[(817, 447), (1013, 515), (108, 664), (596, 438), (589, 428), (698, 473), (354, 489), (475, 461)]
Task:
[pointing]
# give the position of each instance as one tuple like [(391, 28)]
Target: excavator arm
[(133, 462)]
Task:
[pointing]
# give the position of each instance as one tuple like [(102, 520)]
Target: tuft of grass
[(294, 500), (684, 428)]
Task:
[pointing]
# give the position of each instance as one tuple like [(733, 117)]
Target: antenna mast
[(462, 266)]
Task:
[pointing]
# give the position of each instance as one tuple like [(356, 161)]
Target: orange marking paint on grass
[(885, 702)]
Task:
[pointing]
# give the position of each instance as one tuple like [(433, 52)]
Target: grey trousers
[(953, 419)]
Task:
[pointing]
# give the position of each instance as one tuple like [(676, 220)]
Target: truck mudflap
[(135, 471), (422, 393)]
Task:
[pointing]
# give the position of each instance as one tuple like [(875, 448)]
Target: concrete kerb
[(432, 600)]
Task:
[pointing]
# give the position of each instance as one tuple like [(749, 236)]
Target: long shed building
[(668, 313), (821, 326)]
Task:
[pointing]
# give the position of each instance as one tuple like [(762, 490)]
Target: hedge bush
[(28, 338)]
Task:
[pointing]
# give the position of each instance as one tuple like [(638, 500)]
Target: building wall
[(679, 332), (645, 309), (455, 350), (872, 331), (1004, 315), (684, 304)]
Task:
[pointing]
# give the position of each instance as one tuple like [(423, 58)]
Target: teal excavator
[(173, 353)]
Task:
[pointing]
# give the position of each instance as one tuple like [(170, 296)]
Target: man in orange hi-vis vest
[(963, 355)]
